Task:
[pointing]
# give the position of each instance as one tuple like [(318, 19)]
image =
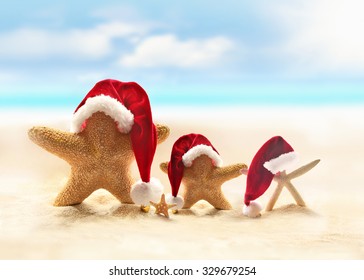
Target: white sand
[(331, 227)]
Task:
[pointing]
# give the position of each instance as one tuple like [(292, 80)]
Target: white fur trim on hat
[(253, 210), (142, 193), (108, 105), (281, 163), (170, 199), (200, 150)]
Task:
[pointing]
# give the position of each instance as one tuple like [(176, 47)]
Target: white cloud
[(324, 35), (78, 43), (168, 50)]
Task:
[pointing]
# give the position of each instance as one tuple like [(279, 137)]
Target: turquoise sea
[(196, 99)]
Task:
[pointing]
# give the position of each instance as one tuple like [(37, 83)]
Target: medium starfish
[(100, 157), (162, 207), (284, 180), (203, 180)]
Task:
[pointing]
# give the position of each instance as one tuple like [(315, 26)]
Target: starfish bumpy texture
[(203, 181), (100, 157)]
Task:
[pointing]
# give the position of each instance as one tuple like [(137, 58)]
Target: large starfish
[(203, 180), (100, 157)]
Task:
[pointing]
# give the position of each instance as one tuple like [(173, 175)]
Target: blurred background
[(232, 63), (183, 52)]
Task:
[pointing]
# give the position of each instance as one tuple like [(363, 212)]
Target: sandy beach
[(330, 227)]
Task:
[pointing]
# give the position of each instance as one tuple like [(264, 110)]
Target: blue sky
[(53, 52)]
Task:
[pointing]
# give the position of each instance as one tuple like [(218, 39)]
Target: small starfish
[(162, 207), (203, 180), (284, 180), (100, 157)]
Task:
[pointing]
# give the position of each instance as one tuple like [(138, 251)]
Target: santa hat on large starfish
[(185, 150), (276, 155), (128, 104)]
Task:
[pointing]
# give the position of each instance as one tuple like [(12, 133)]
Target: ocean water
[(195, 99), (305, 99)]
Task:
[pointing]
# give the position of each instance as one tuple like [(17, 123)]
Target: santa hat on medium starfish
[(128, 104), (276, 155), (185, 150)]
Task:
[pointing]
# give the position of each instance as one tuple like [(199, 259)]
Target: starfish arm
[(162, 133), (244, 171), (164, 167), (297, 197), (189, 198), (119, 182), (229, 172), (189, 202), (302, 170), (121, 192), (63, 144), (77, 189), (272, 201)]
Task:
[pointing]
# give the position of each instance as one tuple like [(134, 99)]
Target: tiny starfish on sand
[(203, 181), (162, 207)]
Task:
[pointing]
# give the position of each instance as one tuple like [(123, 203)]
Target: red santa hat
[(185, 150), (128, 104), (276, 155)]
